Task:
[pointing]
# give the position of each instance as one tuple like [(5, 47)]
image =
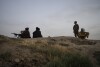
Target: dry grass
[(48, 52)]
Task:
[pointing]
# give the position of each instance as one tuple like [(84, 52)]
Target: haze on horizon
[(53, 17)]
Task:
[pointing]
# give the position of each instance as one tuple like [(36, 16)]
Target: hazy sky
[(54, 17)]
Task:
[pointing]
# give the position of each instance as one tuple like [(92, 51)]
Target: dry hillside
[(49, 52)]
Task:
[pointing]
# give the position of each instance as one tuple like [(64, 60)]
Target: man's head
[(37, 28), (26, 28), (75, 22), (82, 30)]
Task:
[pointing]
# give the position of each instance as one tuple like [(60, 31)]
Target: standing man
[(75, 29)]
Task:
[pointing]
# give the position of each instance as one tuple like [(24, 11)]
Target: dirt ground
[(21, 50)]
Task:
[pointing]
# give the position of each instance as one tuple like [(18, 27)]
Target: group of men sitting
[(26, 33)]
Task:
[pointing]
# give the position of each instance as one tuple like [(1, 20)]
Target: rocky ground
[(39, 52)]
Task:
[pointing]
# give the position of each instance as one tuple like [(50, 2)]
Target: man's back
[(76, 27), (26, 34), (37, 34), (82, 34)]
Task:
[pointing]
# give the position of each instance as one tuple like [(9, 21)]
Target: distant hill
[(59, 51)]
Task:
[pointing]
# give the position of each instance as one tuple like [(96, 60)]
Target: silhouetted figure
[(75, 29), (82, 34), (37, 33), (25, 33)]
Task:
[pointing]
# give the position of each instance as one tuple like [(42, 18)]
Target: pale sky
[(53, 17)]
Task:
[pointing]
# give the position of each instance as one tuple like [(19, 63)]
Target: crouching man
[(82, 34)]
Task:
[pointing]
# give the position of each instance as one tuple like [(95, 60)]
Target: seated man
[(82, 34), (25, 33), (37, 33)]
